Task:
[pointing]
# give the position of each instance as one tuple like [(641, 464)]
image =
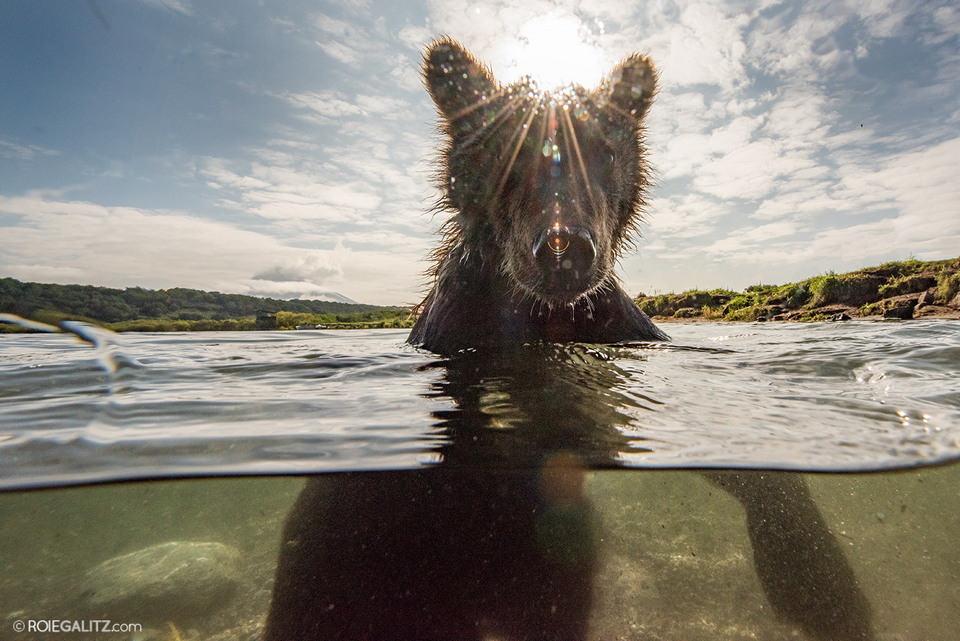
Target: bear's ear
[(455, 80), (630, 87)]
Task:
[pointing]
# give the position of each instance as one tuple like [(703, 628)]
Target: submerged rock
[(174, 581)]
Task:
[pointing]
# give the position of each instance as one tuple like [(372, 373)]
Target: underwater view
[(865, 415), (676, 561)]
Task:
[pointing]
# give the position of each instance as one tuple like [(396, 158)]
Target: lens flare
[(554, 50), (558, 238)]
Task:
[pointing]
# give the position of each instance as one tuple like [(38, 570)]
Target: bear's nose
[(565, 255)]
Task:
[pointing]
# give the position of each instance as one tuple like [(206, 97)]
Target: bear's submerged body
[(432, 555), (498, 540)]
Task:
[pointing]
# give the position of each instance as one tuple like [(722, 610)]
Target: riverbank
[(902, 290)]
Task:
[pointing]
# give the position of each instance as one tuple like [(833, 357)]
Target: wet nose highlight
[(562, 247)]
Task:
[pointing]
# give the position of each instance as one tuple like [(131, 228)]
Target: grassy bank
[(384, 318), (905, 289), (135, 309)]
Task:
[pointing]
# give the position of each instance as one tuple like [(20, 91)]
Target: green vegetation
[(142, 310), (899, 290), (948, 286), (385, 317), (892, 289)]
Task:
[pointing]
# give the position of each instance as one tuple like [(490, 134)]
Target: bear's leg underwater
[(804, 573)]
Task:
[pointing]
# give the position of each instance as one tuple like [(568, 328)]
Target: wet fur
[(501, 188)]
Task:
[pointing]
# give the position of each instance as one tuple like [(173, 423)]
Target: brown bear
[(546, 191), (497, 539)]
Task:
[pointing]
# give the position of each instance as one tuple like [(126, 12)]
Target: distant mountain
[(334, 297), (330, 297), (109, 305)]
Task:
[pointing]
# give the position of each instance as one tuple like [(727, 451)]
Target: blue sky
[(284, 148)]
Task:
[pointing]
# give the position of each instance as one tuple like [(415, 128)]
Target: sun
[(554, 50)]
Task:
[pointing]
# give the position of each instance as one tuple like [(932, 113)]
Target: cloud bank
[(288, 149)]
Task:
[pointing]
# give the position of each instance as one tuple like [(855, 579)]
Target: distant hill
[(107, 305)]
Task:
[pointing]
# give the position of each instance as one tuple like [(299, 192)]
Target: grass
[(862, 292)]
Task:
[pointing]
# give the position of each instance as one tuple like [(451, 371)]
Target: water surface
[(841, 396)]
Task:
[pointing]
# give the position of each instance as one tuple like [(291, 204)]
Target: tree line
[(134, 305)]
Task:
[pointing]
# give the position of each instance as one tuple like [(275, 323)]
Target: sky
[(286, 148)]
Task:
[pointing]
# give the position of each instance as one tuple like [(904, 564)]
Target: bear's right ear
[(455, 80)]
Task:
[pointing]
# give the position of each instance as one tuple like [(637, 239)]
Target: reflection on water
[(674, 557), (823, 397), (514, 408)]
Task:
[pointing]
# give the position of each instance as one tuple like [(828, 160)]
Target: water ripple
[(842, 396)]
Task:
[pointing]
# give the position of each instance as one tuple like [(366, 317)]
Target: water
[(676, 558), (829, 397), (871, 411)]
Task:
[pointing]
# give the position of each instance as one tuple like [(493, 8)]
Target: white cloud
[(416, 37), (358, 40), (341, 52), (284, 193), (26, 153), (749, 172), (922, 187), (177, 6), (310, 268), (686, 216), (330, 105), (125, 245), (882, 18), (861, 214), (83, 242), (704, 46)]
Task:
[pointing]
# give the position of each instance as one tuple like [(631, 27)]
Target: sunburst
[(554, 50)]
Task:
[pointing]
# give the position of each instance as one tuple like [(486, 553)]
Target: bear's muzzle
[(565, 256)]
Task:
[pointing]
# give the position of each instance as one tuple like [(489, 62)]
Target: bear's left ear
[(455, 80), (631, 86)]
